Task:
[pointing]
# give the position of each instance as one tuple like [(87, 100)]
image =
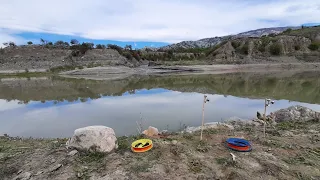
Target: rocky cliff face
[(249, 50)]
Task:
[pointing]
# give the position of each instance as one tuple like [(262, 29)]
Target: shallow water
[(55, 107)]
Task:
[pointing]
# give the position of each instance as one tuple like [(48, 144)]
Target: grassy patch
[(140, 166), (91, 157), (195, 166), (291, 125), (226, 162), (202, 146)]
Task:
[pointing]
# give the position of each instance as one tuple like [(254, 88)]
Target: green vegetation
[(275, 49), (29, 43), (297, 47), (244, 49), (235, 44), (314, 46)]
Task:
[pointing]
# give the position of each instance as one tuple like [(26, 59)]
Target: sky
[(146, 22)]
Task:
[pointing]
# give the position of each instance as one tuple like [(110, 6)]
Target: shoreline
[(120, 72), (289, 151)]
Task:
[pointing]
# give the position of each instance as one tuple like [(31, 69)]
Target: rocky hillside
[(289, 46), (46, 57), (209, 42)]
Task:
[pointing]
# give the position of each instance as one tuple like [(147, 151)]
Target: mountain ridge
[(213, 41)]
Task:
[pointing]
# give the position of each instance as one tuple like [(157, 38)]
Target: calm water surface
[(55, 106)]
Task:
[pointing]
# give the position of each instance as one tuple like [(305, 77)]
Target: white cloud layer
[(152, 20)]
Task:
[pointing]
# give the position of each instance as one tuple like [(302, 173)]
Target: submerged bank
[(291, 150)]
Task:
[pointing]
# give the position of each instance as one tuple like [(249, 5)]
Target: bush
[(100, 46), (287, 31), (275, 49), (115, 47), (50, 43), (29, 43), (74, 42), (127, 55), (81, 49), (314, 46), (297, 47), (235, 44), (244, 49)]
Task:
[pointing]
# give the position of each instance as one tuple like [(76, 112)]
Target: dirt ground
[(291, 150)]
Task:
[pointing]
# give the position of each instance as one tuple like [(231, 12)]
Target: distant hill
[(209, 42)]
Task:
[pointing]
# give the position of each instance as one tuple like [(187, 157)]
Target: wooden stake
[(204, 101), (264, 117)]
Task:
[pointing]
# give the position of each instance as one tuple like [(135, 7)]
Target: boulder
[(295, 113), (151, 131), (93, 139)]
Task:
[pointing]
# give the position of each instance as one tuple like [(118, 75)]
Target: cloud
[(152, 20), (5, 105)]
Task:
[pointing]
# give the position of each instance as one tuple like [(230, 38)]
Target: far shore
[(120, 72)]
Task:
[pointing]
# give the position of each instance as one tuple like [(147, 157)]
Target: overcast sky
[(149, 20)]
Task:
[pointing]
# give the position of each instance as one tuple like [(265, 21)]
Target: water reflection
[(165, 102)]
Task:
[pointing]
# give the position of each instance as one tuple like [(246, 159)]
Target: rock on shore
[(295, 113), (94, 139)]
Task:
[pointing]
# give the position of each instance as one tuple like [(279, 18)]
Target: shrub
[(287, 31), (81, 49), (297, 47), (136, 55), (275, 49), (235, 44), (29, 43), (50, 43), (100, 46), (74, 42), (115, 47), (314, 46), (127, 55), (244, 49)]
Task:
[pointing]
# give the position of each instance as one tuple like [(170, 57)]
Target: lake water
[(55, 106)]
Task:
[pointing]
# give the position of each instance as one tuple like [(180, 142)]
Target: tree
[(43, 42), (50, 43), (29, 43), (100, 46), (59, 43), (74, 42), (12, 44), (128, 47), (6, 44)]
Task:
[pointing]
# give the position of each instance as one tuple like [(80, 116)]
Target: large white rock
[(296, 113), (94, 139)]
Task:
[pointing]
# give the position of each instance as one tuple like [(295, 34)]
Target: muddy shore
[(120, 72)]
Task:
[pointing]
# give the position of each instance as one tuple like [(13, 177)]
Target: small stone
[(23, 176), (20, 171), (55, 142), (72, 153), (53, 161), (38, 173), (174, 142), (80, 174), (56, 167)]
